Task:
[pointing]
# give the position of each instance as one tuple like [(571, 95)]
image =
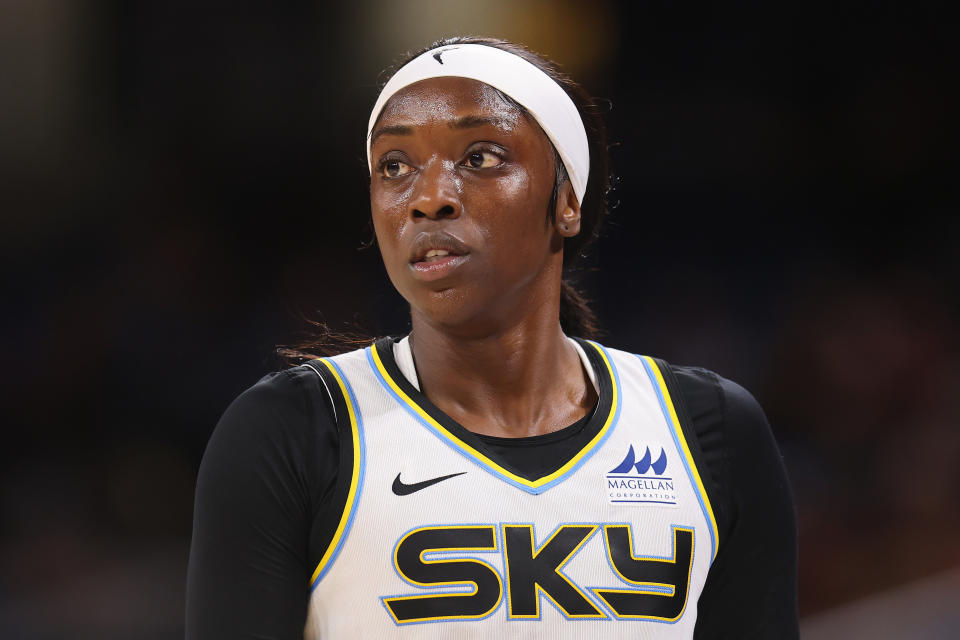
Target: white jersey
[(439, 539)]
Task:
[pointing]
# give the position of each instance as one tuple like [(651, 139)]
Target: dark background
[(184, 184)]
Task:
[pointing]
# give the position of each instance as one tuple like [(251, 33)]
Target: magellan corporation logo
[(641, 481)]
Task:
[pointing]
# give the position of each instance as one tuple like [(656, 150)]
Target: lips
[(434, 255), (434, 246)]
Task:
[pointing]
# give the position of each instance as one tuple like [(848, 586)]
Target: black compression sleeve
[(269, 457), (751, 590)]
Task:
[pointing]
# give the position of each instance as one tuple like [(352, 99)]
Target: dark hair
[(576, 316)]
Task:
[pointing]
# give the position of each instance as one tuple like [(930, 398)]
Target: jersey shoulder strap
[(692, 438), (329, 528), (683, 412)]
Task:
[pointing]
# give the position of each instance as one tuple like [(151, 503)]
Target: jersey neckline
[(471, 445), (570, 431)]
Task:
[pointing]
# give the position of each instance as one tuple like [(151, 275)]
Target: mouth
[(437, 264), (434, 255), (435, 246)]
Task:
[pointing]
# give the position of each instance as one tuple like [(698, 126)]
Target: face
[(460, 185)]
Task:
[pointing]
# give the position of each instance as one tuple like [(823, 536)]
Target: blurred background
[(183, 185)]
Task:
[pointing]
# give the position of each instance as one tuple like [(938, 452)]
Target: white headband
[(543, 98)]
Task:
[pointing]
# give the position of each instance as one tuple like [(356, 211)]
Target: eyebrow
[(466, 122)]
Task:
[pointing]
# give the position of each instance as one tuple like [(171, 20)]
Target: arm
[(751, 590), (257, 496)]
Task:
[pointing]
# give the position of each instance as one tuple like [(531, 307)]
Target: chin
[(456, 310)]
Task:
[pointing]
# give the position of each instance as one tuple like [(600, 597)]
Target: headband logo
[(437, 55)]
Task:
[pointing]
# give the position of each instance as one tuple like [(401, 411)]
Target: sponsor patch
[(643, 481)]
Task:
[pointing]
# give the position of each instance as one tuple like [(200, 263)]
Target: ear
[(567, 215)]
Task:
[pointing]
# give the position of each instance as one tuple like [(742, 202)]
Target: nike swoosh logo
[(402, 489), (436, 57)]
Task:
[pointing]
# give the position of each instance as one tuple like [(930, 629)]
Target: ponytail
[(577, 318)]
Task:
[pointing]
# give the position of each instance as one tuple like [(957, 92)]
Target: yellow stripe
[(354, 477), (484, 459), (675, 424)]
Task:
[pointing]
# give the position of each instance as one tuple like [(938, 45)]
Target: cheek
[(516, 212), (515, 187), (387, 211)]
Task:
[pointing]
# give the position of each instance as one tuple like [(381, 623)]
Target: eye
[(394, 169), (480, 159)]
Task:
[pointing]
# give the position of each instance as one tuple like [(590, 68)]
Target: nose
[(436, 193)]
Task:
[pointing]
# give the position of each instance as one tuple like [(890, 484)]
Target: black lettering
[(663, 574), (408, 557), (528, 568)]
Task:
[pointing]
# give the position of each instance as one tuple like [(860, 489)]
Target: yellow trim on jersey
[(691, 465), (478, 456), (354, 475)]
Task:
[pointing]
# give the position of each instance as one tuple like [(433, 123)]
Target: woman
[(490, 475)]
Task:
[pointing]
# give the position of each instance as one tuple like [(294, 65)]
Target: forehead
[(439, 99)]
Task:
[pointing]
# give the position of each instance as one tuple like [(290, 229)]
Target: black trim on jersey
[(323, 530), (693, 441), (597, 418)]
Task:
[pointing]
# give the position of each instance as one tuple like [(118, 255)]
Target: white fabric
[(348, 601), (546, 101), (404, 356)]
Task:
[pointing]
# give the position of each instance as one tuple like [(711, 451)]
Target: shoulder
[(715, 401), (279, 422), (729, 424), (280, 399), (726, 420), (287, 389), (711, 401)]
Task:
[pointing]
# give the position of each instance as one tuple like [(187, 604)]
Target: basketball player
[(492, 474)]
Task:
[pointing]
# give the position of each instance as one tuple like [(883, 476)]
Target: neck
[(512, 381)]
